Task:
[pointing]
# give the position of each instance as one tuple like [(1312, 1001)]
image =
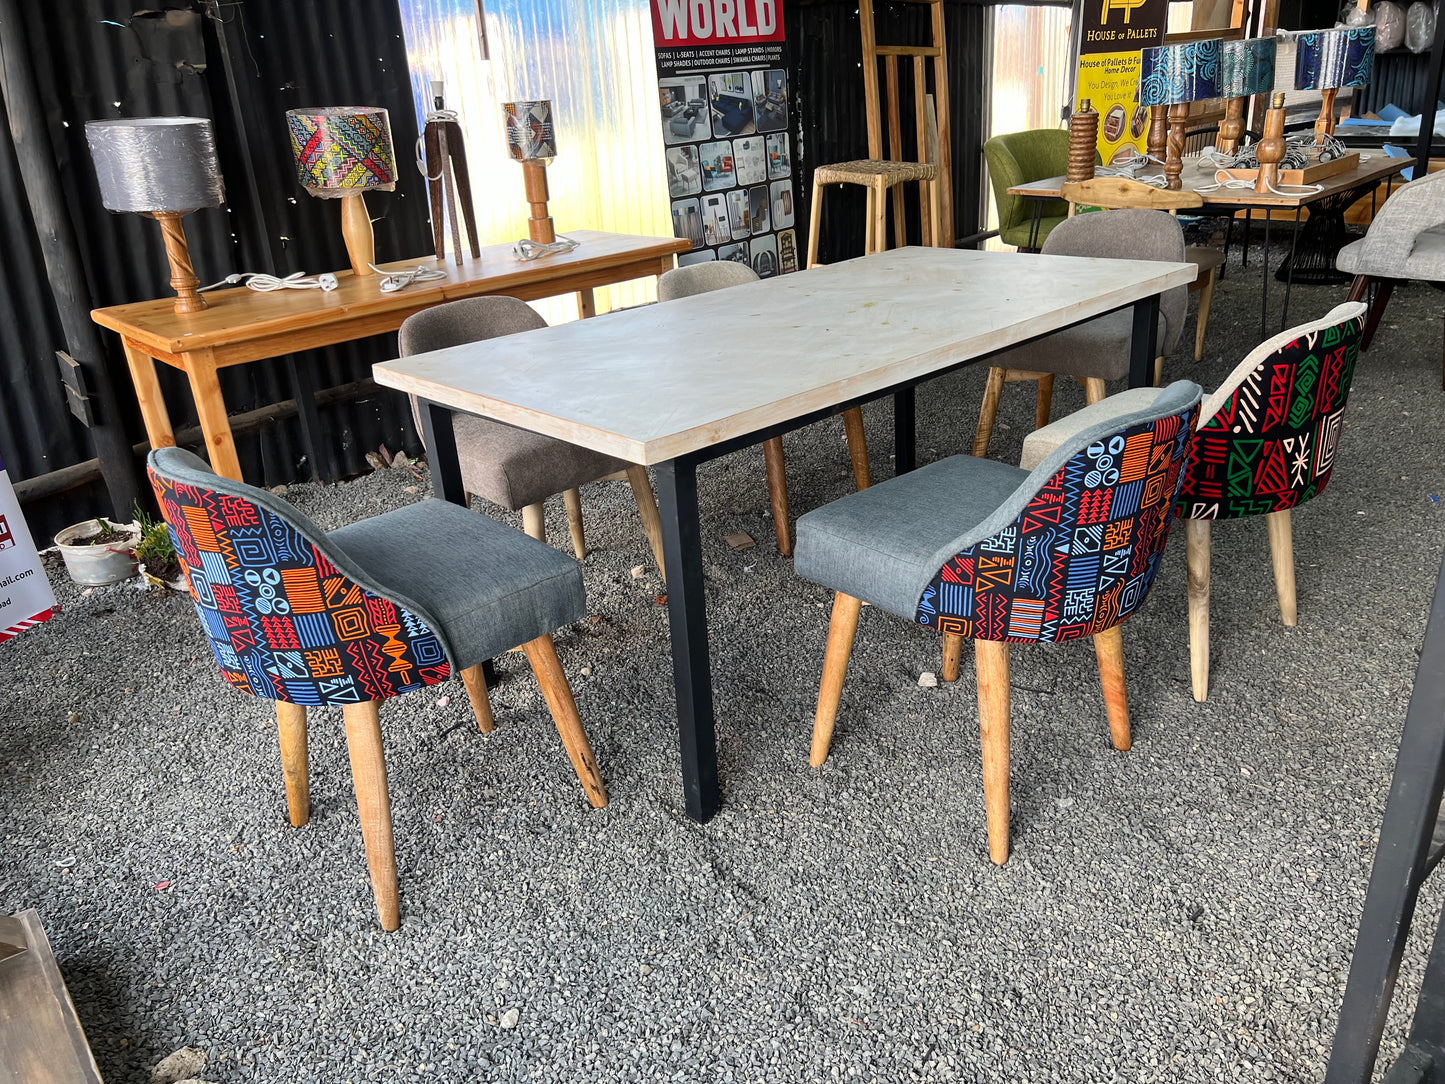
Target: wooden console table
[(243, 325)]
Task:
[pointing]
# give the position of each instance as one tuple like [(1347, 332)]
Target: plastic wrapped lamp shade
[(1246, 67), (1330, 59), (150, 164), (530, 135), (1172, 74), (341, 150)]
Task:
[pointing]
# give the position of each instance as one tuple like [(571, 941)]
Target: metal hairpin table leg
[(1248, 225), (905, 445), (1289, 278), (313, 437), (1035, 223)]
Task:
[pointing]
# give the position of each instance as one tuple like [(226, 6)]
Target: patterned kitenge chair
[(979, 549), (385, 606)]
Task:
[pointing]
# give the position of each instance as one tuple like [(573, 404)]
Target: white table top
[(652, 383)]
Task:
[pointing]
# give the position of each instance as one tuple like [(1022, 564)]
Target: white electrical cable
[(392, 281), (442, 115), (266, 284), (527, 249)]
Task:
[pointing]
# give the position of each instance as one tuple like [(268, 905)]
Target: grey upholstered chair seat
[(489, 587), (1099, 348), (1425, 260), (515, 467), (882, 544)]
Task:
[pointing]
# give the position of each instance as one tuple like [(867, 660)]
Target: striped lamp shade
[(1328, 59), (342, 149), (1246, 67), (1187, 72)]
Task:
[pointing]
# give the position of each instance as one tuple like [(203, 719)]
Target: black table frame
[(677, 501)]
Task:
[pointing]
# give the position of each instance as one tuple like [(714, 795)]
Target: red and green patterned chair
[(981, 550), (352, 617)]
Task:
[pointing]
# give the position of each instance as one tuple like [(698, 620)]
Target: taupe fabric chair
[(514, 467), (1098, 351), (1405, 241)]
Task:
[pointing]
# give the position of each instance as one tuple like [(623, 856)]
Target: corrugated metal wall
[(1400, 78)]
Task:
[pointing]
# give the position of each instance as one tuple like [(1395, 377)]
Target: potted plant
[(158, 561), (99, 551)]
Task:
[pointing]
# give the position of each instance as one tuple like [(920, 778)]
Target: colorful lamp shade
[(150, 164), (1187, 72), (1329, 59), (342, 149), (530, 135), (1246, 67)]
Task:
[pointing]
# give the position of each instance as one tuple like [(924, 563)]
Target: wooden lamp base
[(356, 229), (178, 252), (1325, 125), (1174, 160), (1154, 144), (1231, 128), (1271, 148), (539, 226)]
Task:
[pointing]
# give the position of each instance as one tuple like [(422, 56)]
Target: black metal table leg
[(1143, 344), (1289, 278), (1248, 226), (1264, 286), (1036, 223), (303, 387), (905, 447), (687, 619)]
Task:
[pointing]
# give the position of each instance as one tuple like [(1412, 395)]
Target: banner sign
[(1112, 33), (25, 597), (725, 105)]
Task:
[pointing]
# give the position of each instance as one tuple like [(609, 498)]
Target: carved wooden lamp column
[(1246, 68), (1271, 149), (1175, 75), (1326, 60), (343, 152), (163, 167), (532, 141)]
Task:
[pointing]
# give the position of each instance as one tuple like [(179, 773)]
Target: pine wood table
[(241, 325), (666, 385)]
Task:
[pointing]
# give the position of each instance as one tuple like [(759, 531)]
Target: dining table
[(667, 386)]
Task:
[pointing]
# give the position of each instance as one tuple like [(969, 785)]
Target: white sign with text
[(25, 595)]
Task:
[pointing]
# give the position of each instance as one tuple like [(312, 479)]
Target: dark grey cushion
[(490, 587)]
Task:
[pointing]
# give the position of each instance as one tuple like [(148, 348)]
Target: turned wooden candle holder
[(539, 225), (178, 252)]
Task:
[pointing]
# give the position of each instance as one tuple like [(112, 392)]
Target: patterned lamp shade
[(1246, 67), (148, 164), (1328, 59), (342, 149), (530, 135), (1187, 72)]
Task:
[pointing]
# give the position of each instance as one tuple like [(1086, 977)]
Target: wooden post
[(539, 226), (178, 252)]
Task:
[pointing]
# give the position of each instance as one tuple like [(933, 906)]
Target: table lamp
[(1175, 75), (163, 167), (1245, 68), (532, 141), (1326, 60), (342, 152)]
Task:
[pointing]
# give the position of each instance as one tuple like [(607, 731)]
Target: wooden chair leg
[(841, 629), (647, 512), (1043, 401), (952, 655), (373, 803), (1358, 287), (778, 492), (1383, 289), (815, 223), (572, 498), (1206, 298), (1094, 390), (1196, 534), (1109, 649), (857, 447), (868, 221), (990, 661), (880, 217), (534, 521), (291, 728), (988, 411), (1159, 370), (476, 686), (1281, 551), (542, 654)]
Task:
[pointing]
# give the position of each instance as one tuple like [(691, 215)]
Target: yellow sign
[(1111, 34)]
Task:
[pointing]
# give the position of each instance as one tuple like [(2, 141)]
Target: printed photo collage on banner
[(724, 102)]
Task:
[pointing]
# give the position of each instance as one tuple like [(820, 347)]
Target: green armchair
[(1018, 158)]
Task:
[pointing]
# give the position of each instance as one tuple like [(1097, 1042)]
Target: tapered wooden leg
[(952, 655), (841, 629), (1109, 649), (1043, 401), (857, 446), (880, 218), (815, 223), (1358, 287), (373, 803), (148, 395), (476, 685), (291, 727), (534, 521), (990, 660), (542, 654), (1094, 389), (1281, 551), (572, 498), (1383, 290), (1206, 298), (647, 512), (211, 411), (1196, 533), (778, 492), (988, 411)]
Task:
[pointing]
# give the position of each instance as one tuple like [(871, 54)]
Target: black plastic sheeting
[(1400, 78)]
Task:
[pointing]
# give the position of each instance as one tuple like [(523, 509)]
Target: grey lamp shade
[(155, 163)]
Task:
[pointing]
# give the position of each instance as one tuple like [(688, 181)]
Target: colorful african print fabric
[(1272, 444), (282, 621), (1081, 556)]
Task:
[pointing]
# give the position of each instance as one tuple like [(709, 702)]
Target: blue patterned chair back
[(1076, 549), (1267, 438), (288, 617)]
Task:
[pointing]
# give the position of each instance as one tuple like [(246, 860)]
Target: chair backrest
[(288, 615), (1121, 193), (701, 278), (1020, 157), (1411, 210), (1074, 551), (1268, 436)]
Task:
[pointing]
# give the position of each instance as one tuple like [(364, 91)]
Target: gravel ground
[(1181, 912)]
